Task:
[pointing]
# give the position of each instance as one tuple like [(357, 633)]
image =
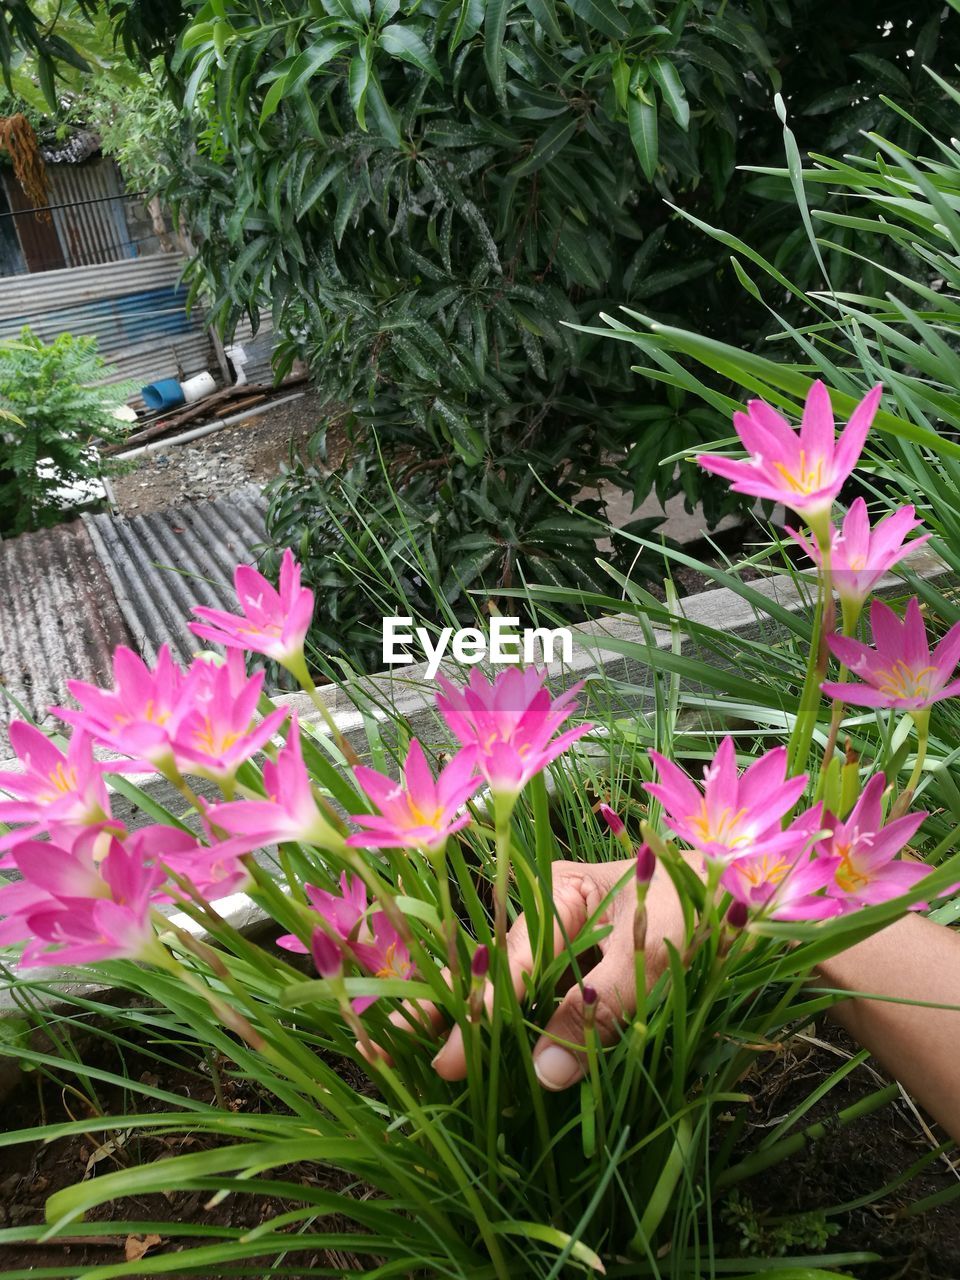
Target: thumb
[(559, 1055)]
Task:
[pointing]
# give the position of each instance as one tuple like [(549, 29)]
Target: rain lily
[(787, 885), (342, 912), (135, 717), (54, 789), (86, 911), (511, 723), (214, 870), (900, 670), (374, 945), (418, 813), (384, 955), (862, 852), (216, 734), (859, 555), (804, 470), (274, 623), (732, 815), (289, 813)]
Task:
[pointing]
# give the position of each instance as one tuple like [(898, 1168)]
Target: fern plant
[(54, 421)]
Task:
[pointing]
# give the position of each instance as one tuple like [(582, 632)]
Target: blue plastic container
[(166, 393)]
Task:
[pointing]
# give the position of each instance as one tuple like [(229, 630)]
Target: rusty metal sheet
[(161, 564), (57, 622)]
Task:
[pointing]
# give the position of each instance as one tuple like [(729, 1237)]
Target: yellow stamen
[(721, 829), (903, 681), (846, 875), (807, 479)]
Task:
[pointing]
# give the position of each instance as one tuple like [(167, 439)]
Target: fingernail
[(556, 1068)]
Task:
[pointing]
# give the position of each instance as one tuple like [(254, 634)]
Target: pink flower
[(804, 470), (418, 813), (375, 946), (900, 670), (787, 885), (859, 555), (510, 722), (215, 734), (137, 715), (343, 912), (733, 815), (862, 853), (215, 870), (290, 811), (66, 791), (384, 955), (71, 909), (274, 623)]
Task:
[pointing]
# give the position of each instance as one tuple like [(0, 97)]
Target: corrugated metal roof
[(56, 621), (160, 565), (90, 220), (135, 308)]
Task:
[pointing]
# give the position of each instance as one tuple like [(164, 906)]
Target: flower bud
[(737, 916), (590, 999), (612, 819), (326, 955), (480, 964), (646, 865)]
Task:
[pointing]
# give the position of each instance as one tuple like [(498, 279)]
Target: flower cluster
[(819, 864), (89, 888)]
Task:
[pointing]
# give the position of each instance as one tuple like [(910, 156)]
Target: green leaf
[(642, 119), (401, 42), (469, 22), (549, 145), (359, 80), (494, 29), (602, 15), (311, 60), (665, 74)]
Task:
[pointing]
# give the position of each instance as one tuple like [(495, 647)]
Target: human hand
[(578, 890)]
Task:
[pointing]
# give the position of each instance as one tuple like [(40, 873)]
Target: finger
[(556, 1058), (570, 917)]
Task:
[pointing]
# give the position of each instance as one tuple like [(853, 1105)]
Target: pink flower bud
[(590, 997), (646, 864), (738, 915), (326, 955), (612, 819), (480, 964)]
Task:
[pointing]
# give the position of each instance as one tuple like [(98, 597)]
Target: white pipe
[(155, 445)]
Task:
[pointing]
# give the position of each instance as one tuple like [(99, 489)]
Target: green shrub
[(58, 420)]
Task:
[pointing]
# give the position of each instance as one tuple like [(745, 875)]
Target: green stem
[(298, 669), (809, 706)]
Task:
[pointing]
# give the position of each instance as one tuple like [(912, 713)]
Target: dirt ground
[(841, 1167), (250, 452)]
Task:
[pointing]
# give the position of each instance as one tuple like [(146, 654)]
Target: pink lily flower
[(804, 470), (214, 870), (54, 789), (86, 911), (788, 885), (900, 670), (385, 955), (343, 912), (288, 813), (861, 853), (511, 723), (217, 734), (732, 815), (418, 813), (859, 555), (274, 623), (137, 716), (375, 945)]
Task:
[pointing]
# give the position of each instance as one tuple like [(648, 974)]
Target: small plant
[(762, 1235), (54, 421)]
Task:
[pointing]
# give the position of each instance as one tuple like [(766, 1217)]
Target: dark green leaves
[(644, 134)]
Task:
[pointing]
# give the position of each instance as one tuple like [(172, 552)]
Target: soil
[(843, 1165), (250, 452), (850, 1162)]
